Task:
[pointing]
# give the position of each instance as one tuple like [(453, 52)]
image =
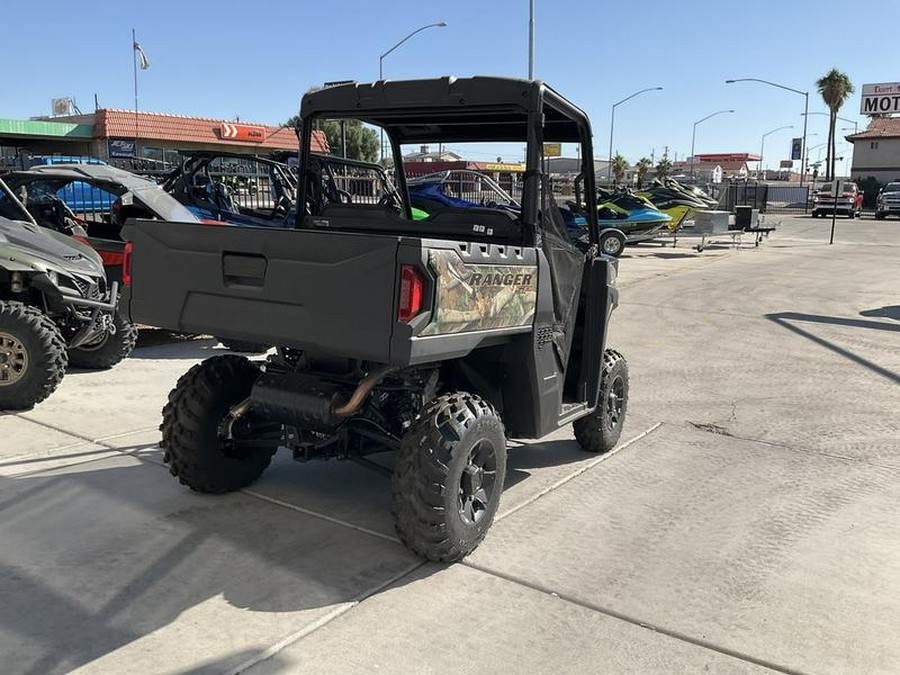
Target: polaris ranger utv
[(56, 309), (437, 338)]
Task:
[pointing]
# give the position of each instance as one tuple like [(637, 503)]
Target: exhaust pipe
[(362, 392), (308, 402)]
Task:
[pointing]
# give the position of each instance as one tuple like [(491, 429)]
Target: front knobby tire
[(203, 450), (108, 350), (599, 432), (449, 475), (33, 356)]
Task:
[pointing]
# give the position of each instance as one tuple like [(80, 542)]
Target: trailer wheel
[(206, 449), (33, 356), (448, 478), (612, 242), (107, 350), (599, 432)]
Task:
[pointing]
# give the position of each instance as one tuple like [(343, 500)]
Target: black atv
[(55, 308), (438, 338)]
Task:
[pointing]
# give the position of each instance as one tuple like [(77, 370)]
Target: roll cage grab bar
[(409, 115)]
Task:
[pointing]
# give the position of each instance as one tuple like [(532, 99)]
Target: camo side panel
[(480, 297)]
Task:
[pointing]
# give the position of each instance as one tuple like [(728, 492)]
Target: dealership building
[(125, 137)]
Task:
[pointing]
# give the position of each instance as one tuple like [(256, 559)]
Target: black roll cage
[(457, 110)]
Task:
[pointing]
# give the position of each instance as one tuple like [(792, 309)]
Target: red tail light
[(126, 264), (412, 293), (112, 258)]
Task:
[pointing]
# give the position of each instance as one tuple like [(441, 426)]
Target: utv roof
[(88, 172), (451, 109)]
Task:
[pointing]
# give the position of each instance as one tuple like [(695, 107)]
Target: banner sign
[(786, 164), (797, 148), (882, 99), (242, 132), (119, 148), (552, 149)]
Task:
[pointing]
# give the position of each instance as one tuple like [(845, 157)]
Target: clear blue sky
[(254, 60)]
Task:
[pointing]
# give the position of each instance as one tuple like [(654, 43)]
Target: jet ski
[(679, 204), (636, 217)]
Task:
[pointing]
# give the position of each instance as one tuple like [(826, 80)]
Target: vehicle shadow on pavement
[(786, 319), (102, 560), (193, 349), (888, 312), (109, 555)]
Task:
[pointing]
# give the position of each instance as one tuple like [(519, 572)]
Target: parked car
[(888, 201), (848, 200)]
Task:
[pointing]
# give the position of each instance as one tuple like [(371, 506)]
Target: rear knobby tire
[(599, 432), (198, 449), (33, 356), (449, 476), (108, 350)]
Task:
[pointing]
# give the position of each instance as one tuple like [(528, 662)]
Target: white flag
[(145, 62)]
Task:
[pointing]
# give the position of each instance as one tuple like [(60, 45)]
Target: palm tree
[(663, 167), (643, 168), (835, 88), (619, 167)]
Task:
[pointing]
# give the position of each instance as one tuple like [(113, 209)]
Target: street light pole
[(762, 145), (439, 24), (612, 124), (694, 134), (530, 39), (837, 117), (805, 95)]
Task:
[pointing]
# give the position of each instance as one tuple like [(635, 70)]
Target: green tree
[(362, 141), (643, 168), (835, 88), (663, 167), (619, 167)]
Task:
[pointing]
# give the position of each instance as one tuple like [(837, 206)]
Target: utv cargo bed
[(332, 291)]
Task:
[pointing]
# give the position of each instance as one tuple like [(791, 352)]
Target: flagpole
[(134, 64)]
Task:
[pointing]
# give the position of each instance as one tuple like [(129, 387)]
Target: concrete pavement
[(750, 525)]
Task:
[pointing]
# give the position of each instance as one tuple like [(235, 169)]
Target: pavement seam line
[(314, 514), (56, 428), (126, 433), (322, 621), (804, 449), (587, 467), (668, 632)]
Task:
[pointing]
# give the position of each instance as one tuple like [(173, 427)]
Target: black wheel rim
[(13, 359), (615, 403), (477, 483)]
